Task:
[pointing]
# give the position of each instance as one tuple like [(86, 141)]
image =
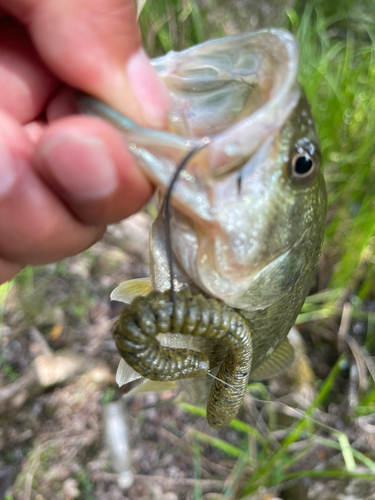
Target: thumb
[(95, 45)]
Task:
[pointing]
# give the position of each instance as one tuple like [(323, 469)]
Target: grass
[(172, 24), (271, 467)]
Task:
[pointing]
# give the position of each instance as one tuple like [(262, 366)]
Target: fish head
[(247, 234), (248, 209)]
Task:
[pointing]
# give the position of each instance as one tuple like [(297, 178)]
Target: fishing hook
[(168, 196)]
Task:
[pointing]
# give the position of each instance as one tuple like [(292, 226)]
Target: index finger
[(95, 45)]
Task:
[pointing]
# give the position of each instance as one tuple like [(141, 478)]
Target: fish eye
[(302, 166)]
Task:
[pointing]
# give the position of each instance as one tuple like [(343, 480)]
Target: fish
[(247, 218)]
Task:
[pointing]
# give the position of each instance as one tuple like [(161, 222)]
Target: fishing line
[(300, 413), (168, 196), (222, 381), (280, 403)]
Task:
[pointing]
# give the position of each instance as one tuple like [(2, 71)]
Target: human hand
[(63, 177)]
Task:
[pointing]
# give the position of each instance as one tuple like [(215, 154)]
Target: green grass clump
[(338, 74)]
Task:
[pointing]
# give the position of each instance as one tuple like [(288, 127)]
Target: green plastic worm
[(191, 314)]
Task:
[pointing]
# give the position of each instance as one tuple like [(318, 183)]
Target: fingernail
[(148, 89), (7, 169), (81, 165)]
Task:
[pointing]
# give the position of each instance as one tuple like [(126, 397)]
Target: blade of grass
[(235, 424), (197, 23), (323, 313), (324, 296), (231, 483), (197, 469), (337, 474), (5, 289), (370, 464), (219, 444), (347, 451)]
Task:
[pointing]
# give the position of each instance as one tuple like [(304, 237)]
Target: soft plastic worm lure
[(191, 314)]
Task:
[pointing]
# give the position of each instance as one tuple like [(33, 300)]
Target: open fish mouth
[(238, 91)]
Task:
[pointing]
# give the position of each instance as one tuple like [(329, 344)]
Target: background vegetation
[(318, 421)]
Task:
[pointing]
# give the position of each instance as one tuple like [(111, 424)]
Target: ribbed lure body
[(192, 314)]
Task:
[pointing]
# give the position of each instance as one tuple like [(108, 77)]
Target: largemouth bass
[(247, 219)]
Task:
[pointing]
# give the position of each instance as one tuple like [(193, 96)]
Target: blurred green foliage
[(171, 25), (338, 74)]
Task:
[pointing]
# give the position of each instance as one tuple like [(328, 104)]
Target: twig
[(360, 359), (358, 352), (167, 482), (353, 385), (206, 484), (346, 318)]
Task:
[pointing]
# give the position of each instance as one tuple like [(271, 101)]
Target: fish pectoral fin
[(128, 290), (279, 361), (195, 391)]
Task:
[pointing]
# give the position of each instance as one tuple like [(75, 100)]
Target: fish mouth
[(238, 91)]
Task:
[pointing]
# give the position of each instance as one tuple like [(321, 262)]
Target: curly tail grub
[(193, 314)]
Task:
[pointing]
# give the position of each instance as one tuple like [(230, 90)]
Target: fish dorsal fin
[(127, 291), (279, 360)]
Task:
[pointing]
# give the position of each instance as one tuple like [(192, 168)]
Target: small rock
[(70, 489)]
